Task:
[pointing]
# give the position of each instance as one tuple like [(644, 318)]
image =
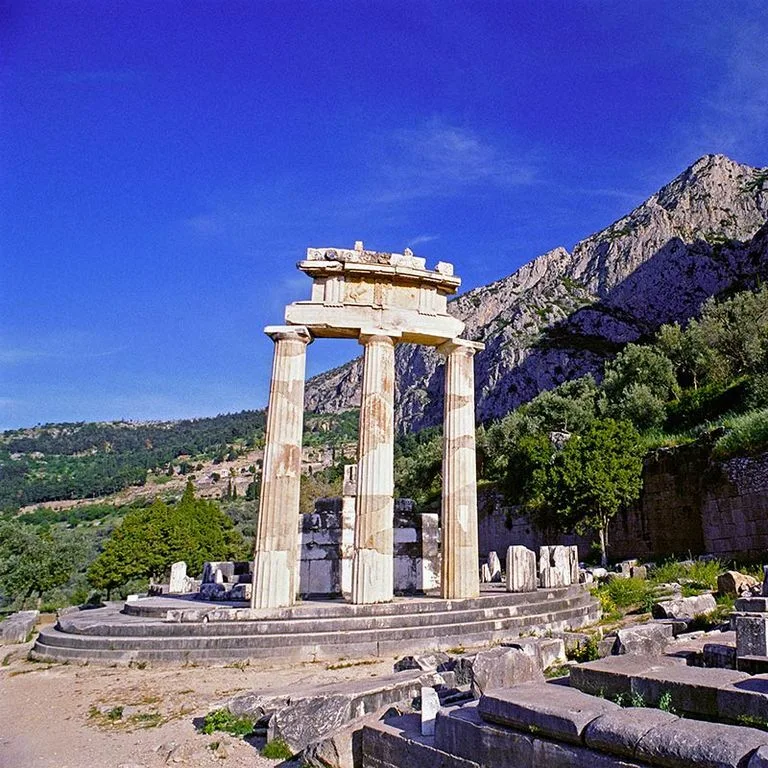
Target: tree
[(35, 562), (637, 384), (593, 477), (568, 408), (149, 540)]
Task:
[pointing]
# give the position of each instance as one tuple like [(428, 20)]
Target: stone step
[(312, 652), (118, 627), (49, 646), (55, 637), (492, 595)]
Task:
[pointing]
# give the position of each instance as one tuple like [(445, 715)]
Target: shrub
[(223, 720), (277, 750), (586, 651), (626, 593)]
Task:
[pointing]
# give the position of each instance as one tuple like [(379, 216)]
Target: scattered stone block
[(555, 711), (521, 569), (315, 713), (759, 759), (644, 639), (240, 592), (430, 705), (734, 583), (340, 749), (585, 577), (485, 574), (598, 573), (494, 566), (693, 690), (501, 668), (695, 743), (719, 656), (751, 636), (212, 591), (461, 731), (684, 607), (638, 572), (612, 676), (625, 567), (545, 650), (399, 740), (752, 604), (747, 697), (428, 662), (17, 626), (620, 732)]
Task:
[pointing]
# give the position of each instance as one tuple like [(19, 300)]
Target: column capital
[(289, 333), (368, 335), (455, 345)]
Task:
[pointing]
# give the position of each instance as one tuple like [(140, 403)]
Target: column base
[(372, 577), (273, 580)]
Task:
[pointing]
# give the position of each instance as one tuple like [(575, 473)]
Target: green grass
[(277, 750), (747, 434), (223, 720), (586, 651), (696, 575)]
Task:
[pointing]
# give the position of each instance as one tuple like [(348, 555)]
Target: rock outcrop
[(563, 314)]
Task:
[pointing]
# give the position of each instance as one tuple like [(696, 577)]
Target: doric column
[(277, 537), (372, 565), (459, 571)]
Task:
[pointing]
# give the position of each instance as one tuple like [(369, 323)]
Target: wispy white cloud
[(441, 160), (421, 239), (61, 345), (734, 119)]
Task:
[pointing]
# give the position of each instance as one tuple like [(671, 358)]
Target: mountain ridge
[(563, 313)]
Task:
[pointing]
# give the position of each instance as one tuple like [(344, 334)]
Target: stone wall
[(690, 505)]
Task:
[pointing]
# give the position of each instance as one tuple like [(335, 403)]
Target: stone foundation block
[(461, 731), (745, 698), (398, 743), (751, 636), (546, 650), (503, 667), (684, 607), (693, 690), (17, 626), (550, 710), (687, 743), (612, 676), (620, 732), (644, 639)]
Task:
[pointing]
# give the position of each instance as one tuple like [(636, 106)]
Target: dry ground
[(57, 715)]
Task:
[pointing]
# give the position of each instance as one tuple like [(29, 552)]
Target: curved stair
[(310, 631)]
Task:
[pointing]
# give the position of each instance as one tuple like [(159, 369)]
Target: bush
[(223, 720), (586, 651), (699, 574), (626, 593), (277, 750)]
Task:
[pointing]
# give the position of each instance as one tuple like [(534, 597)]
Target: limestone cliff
[(562, 314)]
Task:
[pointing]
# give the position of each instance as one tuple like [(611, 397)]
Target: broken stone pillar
[(372, 566), (494, 565), (349, 491), (521, 569), (430, 551), (751, 636), (275, 569), (178, 580), (459, 577), (573, 560), (430, 706)]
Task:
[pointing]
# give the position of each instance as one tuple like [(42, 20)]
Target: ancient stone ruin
[(381, 299)]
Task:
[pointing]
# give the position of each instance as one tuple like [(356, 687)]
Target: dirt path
[(65, 716)]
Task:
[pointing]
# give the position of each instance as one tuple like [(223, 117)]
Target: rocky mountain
[(561, 315)]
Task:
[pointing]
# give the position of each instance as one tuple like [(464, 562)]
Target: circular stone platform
[(178, 630)]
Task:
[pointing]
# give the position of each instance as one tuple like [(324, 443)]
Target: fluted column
[(459, 570), (372, 565), (277, 535)]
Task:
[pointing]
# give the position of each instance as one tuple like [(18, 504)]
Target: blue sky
[(165, 164)]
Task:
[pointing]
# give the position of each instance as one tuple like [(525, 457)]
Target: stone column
[(459, 571), (372, 565), (275, 578)]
